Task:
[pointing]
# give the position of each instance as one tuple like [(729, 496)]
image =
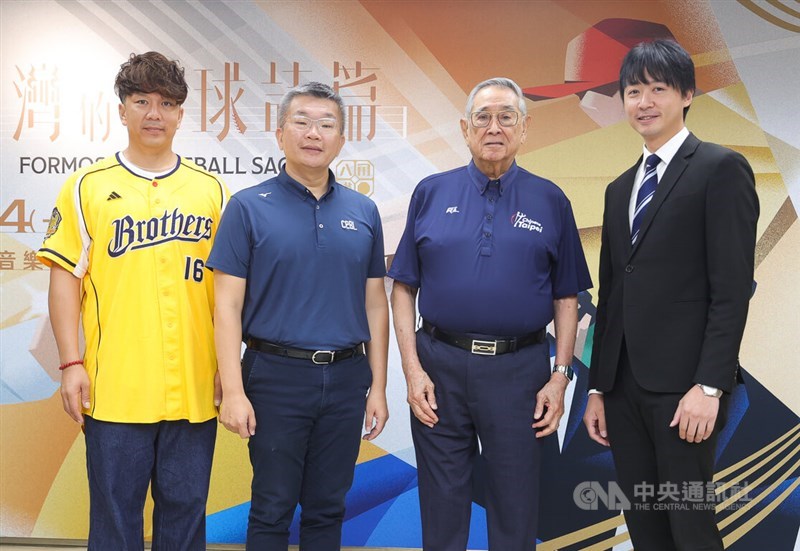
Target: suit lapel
[(673, 173)]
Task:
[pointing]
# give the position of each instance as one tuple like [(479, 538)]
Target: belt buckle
[(323, 362), (484, 348)]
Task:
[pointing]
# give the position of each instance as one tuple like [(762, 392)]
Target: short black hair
[(660, 60)]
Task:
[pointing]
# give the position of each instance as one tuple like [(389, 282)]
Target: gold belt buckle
[(484, 348)]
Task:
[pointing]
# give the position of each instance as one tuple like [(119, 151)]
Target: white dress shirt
[(666, 152)]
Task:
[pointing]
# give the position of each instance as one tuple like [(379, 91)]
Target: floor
[(17, 544), (15, 547)]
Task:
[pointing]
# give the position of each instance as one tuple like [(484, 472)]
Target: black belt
[(484, 347), (319, 357)]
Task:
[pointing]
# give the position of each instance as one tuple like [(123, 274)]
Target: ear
[(122, 116), (279, 137), (525, 122), (465, 129), (687, 98), (180, 117)]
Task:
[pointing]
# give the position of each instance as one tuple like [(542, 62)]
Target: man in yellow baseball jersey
[(127, 246)]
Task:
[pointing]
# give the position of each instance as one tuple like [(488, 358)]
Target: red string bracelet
[(62, 367)]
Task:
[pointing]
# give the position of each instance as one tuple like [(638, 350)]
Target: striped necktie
[(645, 194)]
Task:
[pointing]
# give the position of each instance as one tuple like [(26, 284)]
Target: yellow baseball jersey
[(139, 242)]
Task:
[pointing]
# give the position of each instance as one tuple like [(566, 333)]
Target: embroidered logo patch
[(55, 220), (349, 225)]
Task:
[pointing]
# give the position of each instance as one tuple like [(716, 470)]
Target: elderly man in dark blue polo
[(495, 255)]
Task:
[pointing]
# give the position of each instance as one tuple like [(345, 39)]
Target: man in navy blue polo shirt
[(495, 255), (299, 270)]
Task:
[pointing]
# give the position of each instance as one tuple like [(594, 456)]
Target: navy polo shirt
[(487, 256), (306, 261)]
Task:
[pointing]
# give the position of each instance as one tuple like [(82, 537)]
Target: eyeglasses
[(482, 119), (325, 126)]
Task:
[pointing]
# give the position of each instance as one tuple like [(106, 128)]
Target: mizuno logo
[(265, 194), (452, 210), (114, 195)]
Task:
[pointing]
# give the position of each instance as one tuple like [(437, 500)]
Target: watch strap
[(565, 370)]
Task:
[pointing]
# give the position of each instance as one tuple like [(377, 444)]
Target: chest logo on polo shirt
[(131, 234), (452, 210), (349, 225), (521, 220)]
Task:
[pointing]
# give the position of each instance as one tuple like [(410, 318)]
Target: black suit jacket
[(678, 299)]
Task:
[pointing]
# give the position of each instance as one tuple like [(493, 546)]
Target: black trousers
[(667, 480)]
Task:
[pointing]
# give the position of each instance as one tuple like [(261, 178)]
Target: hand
[(376, 415), (595, 419), (237, 415), (75, 391), (217, 390), (551, 398), (421, 396), (696, 415)]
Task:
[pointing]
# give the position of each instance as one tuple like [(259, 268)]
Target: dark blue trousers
[(122, 459), (491, 398), (308, 432)]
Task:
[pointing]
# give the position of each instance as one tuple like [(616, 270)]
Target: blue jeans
[(122, 459), (308, 432)]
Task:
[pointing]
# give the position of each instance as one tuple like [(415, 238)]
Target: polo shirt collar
[(302, 191), (482, 182)]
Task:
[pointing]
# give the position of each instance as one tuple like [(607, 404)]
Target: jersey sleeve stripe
[(86, 239), (93, 388), (223, 202), (61, 256)]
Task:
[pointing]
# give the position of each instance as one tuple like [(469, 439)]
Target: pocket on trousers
[(248, 360), (367, 376)]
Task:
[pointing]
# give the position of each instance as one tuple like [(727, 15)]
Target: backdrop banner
[(404, 70)]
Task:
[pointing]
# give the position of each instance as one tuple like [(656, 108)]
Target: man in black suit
[(676, 272)]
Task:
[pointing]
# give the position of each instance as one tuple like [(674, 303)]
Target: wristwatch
[(565, 370), (710, 391)]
